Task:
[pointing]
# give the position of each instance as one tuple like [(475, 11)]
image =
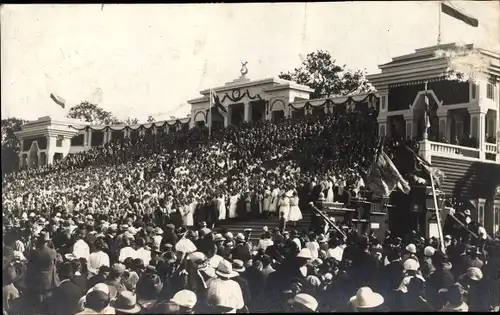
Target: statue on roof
[(244, 69)]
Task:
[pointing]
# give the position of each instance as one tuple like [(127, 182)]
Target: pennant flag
[(450, 9), (383, 176), (216, 101), (58, 100), (427, 110)]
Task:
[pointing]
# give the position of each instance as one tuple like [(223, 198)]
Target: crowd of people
[(133, 226)]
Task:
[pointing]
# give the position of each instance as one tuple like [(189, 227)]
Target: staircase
[(467, 179), (258, 223), (458, 179)]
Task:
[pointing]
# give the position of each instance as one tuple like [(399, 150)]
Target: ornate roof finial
[(244, 69)]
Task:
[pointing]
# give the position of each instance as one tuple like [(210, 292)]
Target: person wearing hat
[(64, 298), (186, 300), (303, 303), (223, 290), (101, 276), (427, 266), (41, 273), (158, 235), (115, 277), (454, 300), (239, 267), (479, 292), (242, 250), (126, 303), (366, 300), (169, 237), (97, 301), (98, 257)]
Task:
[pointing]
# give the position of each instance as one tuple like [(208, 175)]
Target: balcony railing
[(452, 150), (491, 148)]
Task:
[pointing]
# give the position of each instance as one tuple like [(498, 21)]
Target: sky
[(139, 60)]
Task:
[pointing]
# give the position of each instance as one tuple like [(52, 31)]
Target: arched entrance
[(33, 155)]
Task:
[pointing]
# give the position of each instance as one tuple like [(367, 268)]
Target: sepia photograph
[(212, 158)]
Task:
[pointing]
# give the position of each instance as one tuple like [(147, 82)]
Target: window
[(489, 91), (77, 140)]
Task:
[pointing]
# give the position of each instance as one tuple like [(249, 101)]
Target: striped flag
[(58, 100), (383, 176), (450, 9), (216, 102)]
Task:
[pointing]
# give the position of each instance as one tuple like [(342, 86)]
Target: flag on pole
[(413, 167), (450, 9), (427, 109), (216, 102), (58, 100), (383, 176)]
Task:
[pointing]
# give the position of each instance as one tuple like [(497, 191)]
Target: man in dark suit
[(42, 276), (64, 299), (239, 267)]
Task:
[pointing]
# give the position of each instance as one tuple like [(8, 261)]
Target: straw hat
[(429, 251), (366, 298), (185, 298), (305, 300), (238, 265), (411, 265), (126, 302), (305, 253), (475, 273), (411, 248), (225, 269)]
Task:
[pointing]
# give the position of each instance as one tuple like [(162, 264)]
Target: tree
[(130, 121), (10, 144), (92, 113), (320, 72), (151, 119)]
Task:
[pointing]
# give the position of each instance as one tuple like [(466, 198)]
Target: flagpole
[(438, 215), (210, 117), (439, 23)]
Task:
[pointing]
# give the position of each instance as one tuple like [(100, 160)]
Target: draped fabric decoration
[(237, 96), (160, 124), (330, 104)]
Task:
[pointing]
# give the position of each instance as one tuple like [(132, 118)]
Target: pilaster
[(247, 112)]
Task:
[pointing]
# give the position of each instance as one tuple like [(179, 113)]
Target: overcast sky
[(150, 59)]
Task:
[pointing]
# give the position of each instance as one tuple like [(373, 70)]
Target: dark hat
[(170, 226)]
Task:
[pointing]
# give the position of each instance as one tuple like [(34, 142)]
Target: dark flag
[(450, 9), (58, 100), (415, 168)]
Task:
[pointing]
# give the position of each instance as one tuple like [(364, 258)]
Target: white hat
[(429, 251), (132, 230), (305, 253), (225, 269), (467, 212), (411, 248), (185, 298), (366, 298), (475, 273), (305, 300), (411, 265)]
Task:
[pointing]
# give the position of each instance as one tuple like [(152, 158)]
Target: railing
[(454, 150), (491, 148)]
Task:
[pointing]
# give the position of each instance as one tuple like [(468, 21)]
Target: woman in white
[(266, 203), (284, 205), (274, 200), (222, 207), (233, 202), (330, 195), (295, 214), (187, 214)]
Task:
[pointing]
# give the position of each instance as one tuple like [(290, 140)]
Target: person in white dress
[(222, 207), (284, 205), (274, 200), (188, 214), (330, 196), (295, 214), (266, 204), (233, 202)]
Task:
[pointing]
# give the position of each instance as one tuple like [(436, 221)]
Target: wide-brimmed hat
[(429, 251), (238, 265), (467, 212), (366, 298), (225, 269), (305, 253), (240, 237), (475, 273), (305, 300), (158, 231), (219, 238), (126, 302), (411, 265), (185, 298), (411, 248)]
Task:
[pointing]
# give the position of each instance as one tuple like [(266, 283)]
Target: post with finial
[(425, 145), (244, 69)]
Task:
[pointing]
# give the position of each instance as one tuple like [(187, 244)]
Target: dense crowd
[(132, 226)]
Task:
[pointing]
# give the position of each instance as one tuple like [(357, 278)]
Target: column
[(382, 128), (478, 129), (85, 139), (89, 143), (227, 119), (39, 159), (247, 112)]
